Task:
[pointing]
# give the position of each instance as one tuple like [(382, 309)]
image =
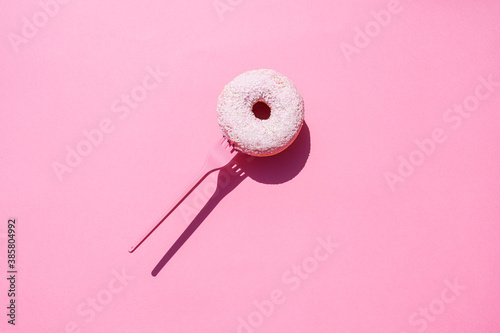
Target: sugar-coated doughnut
[(239, 124)]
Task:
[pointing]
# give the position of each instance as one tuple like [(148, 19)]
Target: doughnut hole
[(261, 110)]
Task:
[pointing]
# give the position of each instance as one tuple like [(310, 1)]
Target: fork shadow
[(275, 169), (227, 180)]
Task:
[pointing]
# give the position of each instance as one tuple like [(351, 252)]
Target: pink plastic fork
[(219, 156)]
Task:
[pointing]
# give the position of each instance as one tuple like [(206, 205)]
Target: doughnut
[(238, 118)]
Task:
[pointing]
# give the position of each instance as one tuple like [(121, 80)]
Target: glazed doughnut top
[(240, 125)]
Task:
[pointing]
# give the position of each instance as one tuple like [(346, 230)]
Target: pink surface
[(382, 216)]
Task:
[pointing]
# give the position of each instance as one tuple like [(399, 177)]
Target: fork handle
[(201, 176)]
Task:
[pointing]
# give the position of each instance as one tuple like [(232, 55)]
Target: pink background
[(398, 251)]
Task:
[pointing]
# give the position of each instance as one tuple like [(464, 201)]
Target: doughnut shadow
[(284, 166), (227, 180)]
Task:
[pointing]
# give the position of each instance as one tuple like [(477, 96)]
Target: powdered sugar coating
[(249, 134)]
